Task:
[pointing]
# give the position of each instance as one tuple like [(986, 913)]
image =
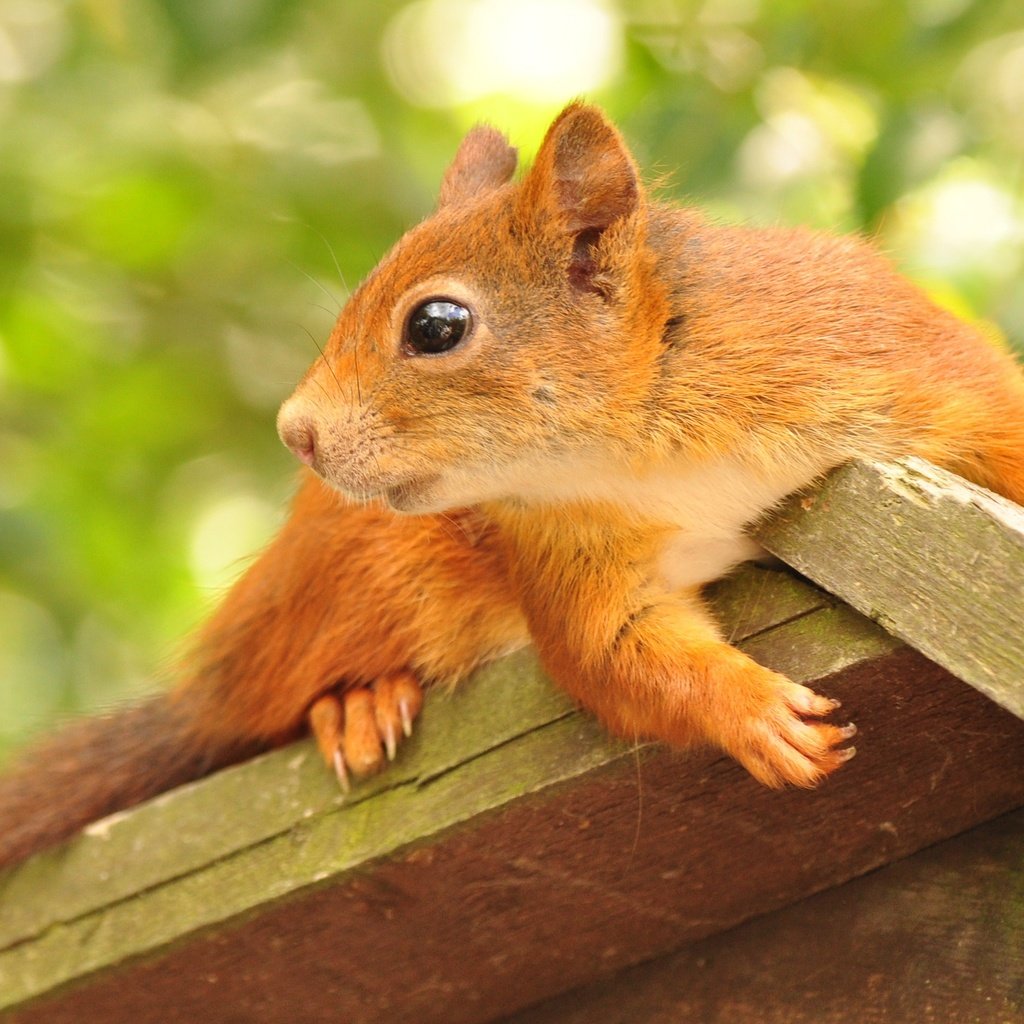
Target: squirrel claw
[(357, 728), (390, 743), (341, 773)]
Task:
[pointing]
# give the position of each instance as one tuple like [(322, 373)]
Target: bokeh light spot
[(440, 53), (225, 536)]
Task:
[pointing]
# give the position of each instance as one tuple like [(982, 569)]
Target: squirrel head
[(511, 335)]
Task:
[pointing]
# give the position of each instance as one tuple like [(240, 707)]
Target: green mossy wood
[(514, 851), (935, 560)]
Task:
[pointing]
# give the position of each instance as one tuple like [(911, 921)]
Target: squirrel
[(549, 416)]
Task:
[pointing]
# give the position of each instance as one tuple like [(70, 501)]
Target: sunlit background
[(188, 188)]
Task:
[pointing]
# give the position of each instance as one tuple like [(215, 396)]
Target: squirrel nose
[(297, 432)]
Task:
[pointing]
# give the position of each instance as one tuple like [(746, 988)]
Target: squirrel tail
[(95, 766)]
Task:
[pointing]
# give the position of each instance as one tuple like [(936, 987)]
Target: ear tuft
[(583, 171), (484, 161)]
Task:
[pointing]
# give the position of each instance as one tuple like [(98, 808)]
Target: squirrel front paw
[(358, 729), (776, 736)]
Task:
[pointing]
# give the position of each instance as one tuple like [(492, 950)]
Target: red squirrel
[(549, 416)]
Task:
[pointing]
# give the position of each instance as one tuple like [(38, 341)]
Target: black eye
[(437, 326)]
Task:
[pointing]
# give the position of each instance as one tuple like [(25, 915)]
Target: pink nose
[(297, 432)]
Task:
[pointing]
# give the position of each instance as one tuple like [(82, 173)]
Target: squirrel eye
[(436, 326)]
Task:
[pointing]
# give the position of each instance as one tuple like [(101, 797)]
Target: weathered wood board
[(513, 852), (937, 938), (932, 558)]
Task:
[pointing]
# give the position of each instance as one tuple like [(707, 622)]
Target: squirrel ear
[(484, 161), (583, 171)]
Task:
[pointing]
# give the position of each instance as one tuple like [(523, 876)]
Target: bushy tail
[(96, 766)]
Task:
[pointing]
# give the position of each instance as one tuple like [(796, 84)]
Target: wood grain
[(515, 851), (935, 939), (935, 560), (515, 854)]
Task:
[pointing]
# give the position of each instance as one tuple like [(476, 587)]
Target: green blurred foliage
[(188, 188)]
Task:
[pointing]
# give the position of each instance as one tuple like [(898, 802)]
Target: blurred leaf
[(140, 220)]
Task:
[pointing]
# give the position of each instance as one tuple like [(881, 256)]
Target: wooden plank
[(168, 837), (932, 558), (514, 852), (935, 939)]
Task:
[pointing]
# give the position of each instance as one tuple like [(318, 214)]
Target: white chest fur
[(706, 507), (710, 506)]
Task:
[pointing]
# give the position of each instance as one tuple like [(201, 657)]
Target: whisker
[(639, 802), (327, 363), (319, 285), (316, 305), (309, 333), (316, 345), (355, 367), (330, 249)]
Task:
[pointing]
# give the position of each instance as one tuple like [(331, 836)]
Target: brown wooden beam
[(937, 938), (513, 853)]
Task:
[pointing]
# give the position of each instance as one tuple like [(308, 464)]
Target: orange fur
[(349, 593), (345, 596), (638, 386)]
